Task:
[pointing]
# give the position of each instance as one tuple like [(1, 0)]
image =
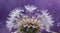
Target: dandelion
[(25, 24)]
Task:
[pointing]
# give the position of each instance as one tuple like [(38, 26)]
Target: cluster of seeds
[(30, 25)]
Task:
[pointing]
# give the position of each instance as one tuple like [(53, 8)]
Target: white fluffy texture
[(13, 14), (30, 8), (46, 20)]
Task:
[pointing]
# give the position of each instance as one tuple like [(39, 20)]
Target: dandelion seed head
[(38, 21)]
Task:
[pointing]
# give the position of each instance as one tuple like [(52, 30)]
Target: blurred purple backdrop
[(7, 5)]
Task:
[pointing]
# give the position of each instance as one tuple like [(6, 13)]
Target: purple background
[(7, 5)]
